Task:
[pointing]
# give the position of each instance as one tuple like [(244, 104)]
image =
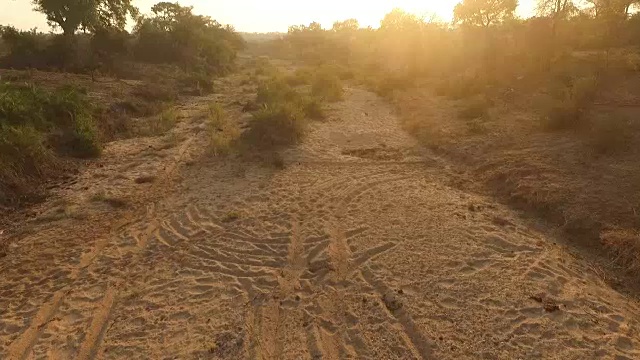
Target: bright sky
[(269, 15)]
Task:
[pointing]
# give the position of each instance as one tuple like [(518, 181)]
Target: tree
[(173, 34), (349, 25), (70, 15), (399, 20), (613, 8), (484, 12), (556, 9)]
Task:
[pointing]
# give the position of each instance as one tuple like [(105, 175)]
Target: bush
[(35, 123), (199, 83), (312, 108), (474, 109), (31, 49), (275, 91), (567, 110), (173, 34), (109, 47), (278, 125), (327, 86), (26, 49), (388, 84), (22, 152), (65, 113), (162, 123), (302, 76)]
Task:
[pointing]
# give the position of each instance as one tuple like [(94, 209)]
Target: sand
[(355, 250)]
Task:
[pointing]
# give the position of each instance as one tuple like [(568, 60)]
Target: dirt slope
[(354, 250)]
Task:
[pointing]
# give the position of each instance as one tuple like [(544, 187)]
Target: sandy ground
[(355, 250)]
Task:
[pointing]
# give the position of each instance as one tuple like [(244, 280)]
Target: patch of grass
[(112, 201), (198, 83), (61, 212), (625, 246), (162, 123), (222, 133), (231, 216)]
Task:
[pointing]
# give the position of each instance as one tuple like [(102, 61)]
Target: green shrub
[(22, 151), (275, 91), (302, 76), (312, 108), (279, 125), (65, 112), (327, 86), (474, 109), (173, 34), (25, 48)]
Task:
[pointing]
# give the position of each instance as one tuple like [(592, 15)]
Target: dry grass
[(583, 180), (625, 246), (222, 133), (113, 201)]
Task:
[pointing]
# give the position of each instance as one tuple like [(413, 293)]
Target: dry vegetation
[(63, 96), (540, 112)]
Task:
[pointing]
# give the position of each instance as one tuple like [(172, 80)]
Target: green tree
[(173, 34), (484, 12), (70, 15), (400, 20), (613, 8), (350, 25)]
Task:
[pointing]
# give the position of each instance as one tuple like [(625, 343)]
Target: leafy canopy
[(70, 15), (484, 12)]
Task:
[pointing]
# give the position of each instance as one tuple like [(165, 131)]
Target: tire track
[(98, 327), (420, 344), (22, 346)]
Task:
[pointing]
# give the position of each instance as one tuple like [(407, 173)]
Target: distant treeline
[(171, 34), (484, 37)]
